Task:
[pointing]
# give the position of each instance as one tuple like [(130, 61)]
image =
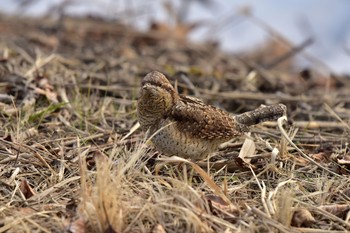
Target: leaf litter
[(73, 159)]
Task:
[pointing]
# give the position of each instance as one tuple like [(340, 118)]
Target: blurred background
[(319, 30)]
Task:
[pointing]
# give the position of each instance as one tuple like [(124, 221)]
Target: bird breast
[(173, 142)]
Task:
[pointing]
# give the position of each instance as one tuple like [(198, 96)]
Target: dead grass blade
[(132, 130), (271, 222), (40, 195), (335, 115), (285, 135), (211, 184)]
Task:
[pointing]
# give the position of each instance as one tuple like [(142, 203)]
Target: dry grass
[(67, 101)]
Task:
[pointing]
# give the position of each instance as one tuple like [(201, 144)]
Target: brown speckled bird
[(185, 126)]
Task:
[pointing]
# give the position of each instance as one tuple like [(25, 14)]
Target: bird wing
[(194, 117)]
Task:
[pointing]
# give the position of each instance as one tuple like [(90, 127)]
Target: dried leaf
[(301, 161), (78, 226), (321, 157), (158, 229), (302, 217), (219, 205), (248, 149), (345, 160), (26, 189), (337, 210)]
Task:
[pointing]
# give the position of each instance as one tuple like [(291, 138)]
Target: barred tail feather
[(262, 114)]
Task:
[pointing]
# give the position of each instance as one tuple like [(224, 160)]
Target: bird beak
[(146, 86), (147, 89)]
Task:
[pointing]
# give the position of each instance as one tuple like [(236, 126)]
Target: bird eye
[(166, 87)]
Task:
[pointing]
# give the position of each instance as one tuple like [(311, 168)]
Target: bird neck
[(149, 114)]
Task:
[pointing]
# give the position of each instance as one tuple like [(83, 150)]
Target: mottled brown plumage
[(185, 126)]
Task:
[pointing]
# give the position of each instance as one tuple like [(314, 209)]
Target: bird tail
[(262, 114)]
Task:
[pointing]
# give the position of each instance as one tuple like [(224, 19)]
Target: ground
[(72, 160)]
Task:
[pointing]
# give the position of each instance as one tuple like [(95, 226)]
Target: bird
[(186, 127)]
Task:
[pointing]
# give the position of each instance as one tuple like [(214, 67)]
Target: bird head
[(157, 96)]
